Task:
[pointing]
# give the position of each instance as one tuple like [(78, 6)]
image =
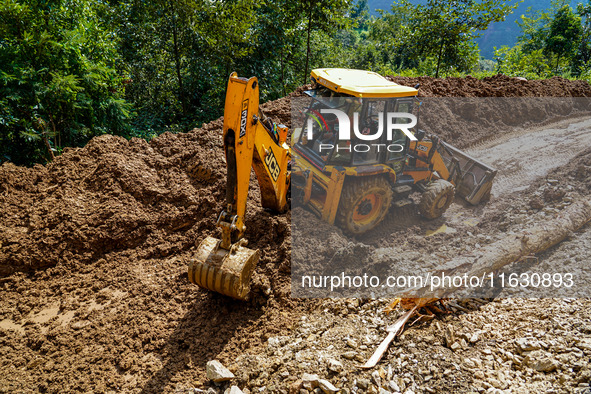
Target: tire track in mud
[(522, 157), (533, 154)]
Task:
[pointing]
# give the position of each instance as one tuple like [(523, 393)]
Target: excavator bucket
[(224, 271), (472, 178)]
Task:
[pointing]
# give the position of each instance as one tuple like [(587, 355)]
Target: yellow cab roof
[(360, 83)]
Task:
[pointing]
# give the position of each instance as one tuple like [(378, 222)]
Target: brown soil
[(497, 86), (94, 290)]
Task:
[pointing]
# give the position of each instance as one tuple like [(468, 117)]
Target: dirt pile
[(116, 195), (467, 111), (101, 233), (112, 195), (496, 86)]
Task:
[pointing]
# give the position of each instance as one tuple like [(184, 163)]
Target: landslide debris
[(94, 296)]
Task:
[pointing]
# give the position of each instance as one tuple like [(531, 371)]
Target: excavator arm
[(250, 141)]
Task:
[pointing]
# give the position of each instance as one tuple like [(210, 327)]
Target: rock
[(295, 387), (384, 391), (474, 337), (349, 355), (351, 343), (375, 376), (233, 390), (334, 365), (217, 372), (545, 365), (496, 383), (80, 324), (455, 346), (326, 386), (584, 344), (309, 381), (469, 363), (275, 342), (450, 336), (540, 362), (526, 344), (463, 343), (536, 203), (393, 386), (363, 384)]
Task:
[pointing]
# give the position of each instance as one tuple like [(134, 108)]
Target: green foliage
[(58, 83), (445, 30), (554, 41), (431, 37), (564, 35), (582, 58), (516, 62), (534, 27), (73, 69)]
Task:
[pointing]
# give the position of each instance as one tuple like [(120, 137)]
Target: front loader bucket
[(224, 271), (472, 178)]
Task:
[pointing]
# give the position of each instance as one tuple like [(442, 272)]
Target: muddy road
[(526, 155)]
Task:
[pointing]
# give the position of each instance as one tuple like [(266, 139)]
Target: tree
[(445, 30), (547, 38), (534, 25), (389, 40), (564, 35), (582, 59), (322, 15), (59, 85), (518, 62), (360, 14), (179, 55)]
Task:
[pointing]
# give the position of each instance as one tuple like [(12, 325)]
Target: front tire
[(364, 203), (436, 199)]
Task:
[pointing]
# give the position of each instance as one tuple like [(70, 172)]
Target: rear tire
[(436, 199), (364, 203)]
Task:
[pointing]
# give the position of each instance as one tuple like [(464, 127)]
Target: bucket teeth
[(223, 271)]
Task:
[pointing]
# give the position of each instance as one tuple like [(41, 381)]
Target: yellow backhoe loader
[(250, 141), (351, 187)]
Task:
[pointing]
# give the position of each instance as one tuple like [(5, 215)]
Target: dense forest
[(74, 69)]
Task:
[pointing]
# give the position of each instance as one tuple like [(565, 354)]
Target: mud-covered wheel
[(436, 199), (364, 203)]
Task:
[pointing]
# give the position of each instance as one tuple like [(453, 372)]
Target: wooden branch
[(512, 248)]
